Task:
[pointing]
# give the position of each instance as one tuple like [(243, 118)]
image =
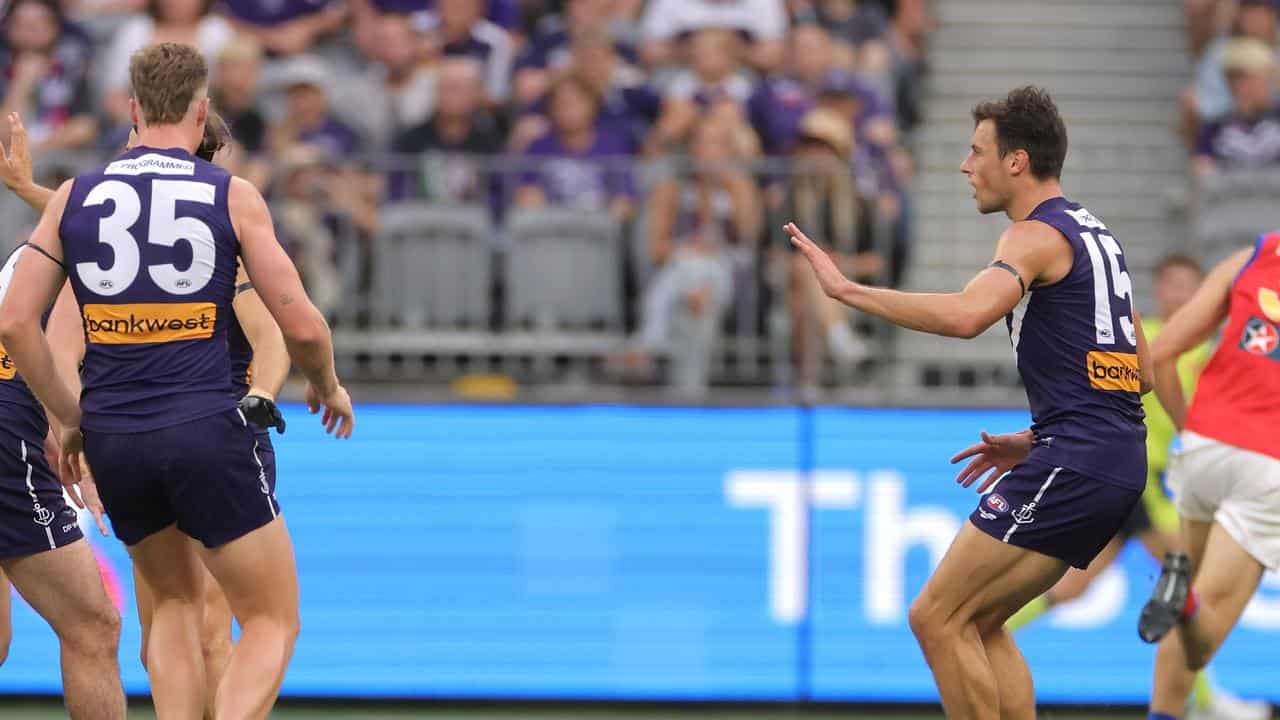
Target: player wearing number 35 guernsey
[(150, 243), (1060, 283)]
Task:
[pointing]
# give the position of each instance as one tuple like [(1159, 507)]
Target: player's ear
[(133, 112), (1018, 161), (202, 111)]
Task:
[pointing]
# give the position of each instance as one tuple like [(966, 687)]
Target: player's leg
[(227, 503), (1227, 578), (215, 639), (979, 579), (172, 572), (1174, 682), (1072, 585), (63, 585), (146, 606), (258, 574), (6, 617)]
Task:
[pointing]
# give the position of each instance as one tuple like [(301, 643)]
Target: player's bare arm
[(1026, 252), (305, 331), (270, 366), (1147, 382), (17, 170), (65, 332), (36, 284), (1194, 323)]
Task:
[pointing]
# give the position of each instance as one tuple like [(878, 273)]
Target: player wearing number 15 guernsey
[(1060, 283), (150, 243)]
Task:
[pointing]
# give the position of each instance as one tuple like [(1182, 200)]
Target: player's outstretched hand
[(337, 410), (15, 160), (829, 276), (996, 452)]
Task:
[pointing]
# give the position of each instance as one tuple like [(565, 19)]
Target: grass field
[(141, 710)]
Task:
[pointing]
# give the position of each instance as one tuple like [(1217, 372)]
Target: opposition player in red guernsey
[(1060, 282), (1226, 478)]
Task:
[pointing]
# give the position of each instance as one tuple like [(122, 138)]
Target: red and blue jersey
[(1236, 397), (1076, 346), (151, 253)]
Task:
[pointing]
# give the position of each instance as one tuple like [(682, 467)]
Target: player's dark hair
[(216, 135), (165, 79), (1027, 119), (1176, 260)]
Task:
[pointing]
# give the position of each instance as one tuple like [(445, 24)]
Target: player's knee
[(923, 618), (97, 633)]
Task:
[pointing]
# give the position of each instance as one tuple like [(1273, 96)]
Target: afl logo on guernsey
[(996, 502), (1260, 338)]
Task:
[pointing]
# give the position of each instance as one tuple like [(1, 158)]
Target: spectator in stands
[(882, 168), (286, 27), (305, 229), (551, 49), (714, 78), (183, 21), (506, 14), (703, 232), (234, 91), (1209, 97), (44, 77), (458, 27), (398, 90), (443, 156), (1249, 136), (825, 191), (851, 22), (577, 163), (781, 101), (764, 22), (308, 119)]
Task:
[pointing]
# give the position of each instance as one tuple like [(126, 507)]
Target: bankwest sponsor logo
[(149, 323), (7, 369), (1114, 371), (151, 164)]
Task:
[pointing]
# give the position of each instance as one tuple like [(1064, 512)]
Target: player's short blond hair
[(166, 79)]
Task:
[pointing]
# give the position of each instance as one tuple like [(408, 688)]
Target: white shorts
[(1240, 489)]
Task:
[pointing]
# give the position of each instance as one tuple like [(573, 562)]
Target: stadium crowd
[(693, 124)]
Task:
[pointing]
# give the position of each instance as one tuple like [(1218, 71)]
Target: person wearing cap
[(308, 118), (1209, 97), (824, 191), (1248, 137)]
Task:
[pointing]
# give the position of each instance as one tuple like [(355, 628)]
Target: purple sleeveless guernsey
[(151, 253), (1077, 354), (20, 412)]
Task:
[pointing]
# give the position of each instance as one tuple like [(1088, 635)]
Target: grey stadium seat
[(564, 269), (434, 267), (1233, 209)]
